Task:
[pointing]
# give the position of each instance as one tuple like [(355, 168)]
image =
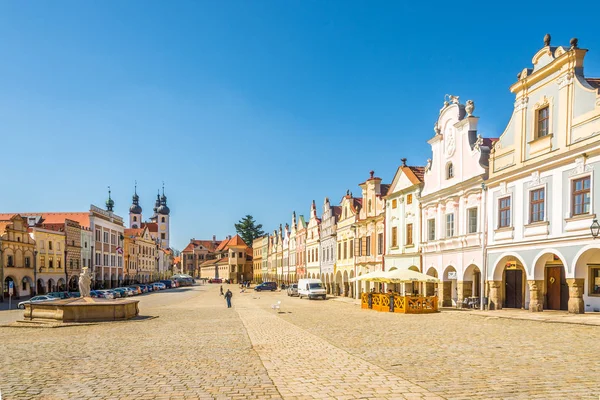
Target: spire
[(135, 206), (109, 203)]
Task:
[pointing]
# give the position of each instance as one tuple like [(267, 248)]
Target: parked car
[(159, 286), (168, 283), (292, 289), (272, 286), (122, 292), (59, 295), (311, 288), (97, 293), (135, 290), (36, 299), (215, 280), (74, 294), (108, 294)]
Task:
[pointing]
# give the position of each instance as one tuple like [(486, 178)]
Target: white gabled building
[(452, 216), (542, 189), (402, 220)]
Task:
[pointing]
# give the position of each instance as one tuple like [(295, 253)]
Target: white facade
[(402, 219), (452, 211), (542, 190), (108, 230)]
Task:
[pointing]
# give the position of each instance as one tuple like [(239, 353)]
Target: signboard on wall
[(452, 275)]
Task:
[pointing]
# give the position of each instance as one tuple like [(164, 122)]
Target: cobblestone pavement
[(198, 348)]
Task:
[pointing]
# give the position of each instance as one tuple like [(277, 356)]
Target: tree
[(248, 229)]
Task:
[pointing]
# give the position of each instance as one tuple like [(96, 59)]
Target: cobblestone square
[(197, 348)]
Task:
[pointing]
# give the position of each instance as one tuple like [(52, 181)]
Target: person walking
[(228, 296), (221, 290)]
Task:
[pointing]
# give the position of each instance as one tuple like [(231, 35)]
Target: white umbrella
[(408, 275), (374, 276)]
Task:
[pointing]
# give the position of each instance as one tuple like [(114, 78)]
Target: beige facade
[(49, 245), (17, 256), (345, 254)]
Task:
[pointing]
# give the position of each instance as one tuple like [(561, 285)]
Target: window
[(581, 196), (51, 262), (27, 262), (162, 219), (339, 255), (536, 205), (504, 212), (163, 236), (449, 225), (49, 245), (409, 234), (42, 261), (351, 247), (85, 245), (105, 237), (316, 255), (449, 171), (134, 218), (394, 236), (106, 260), (368, 246), (394, 203), (345, 250), (9, 261), (360, 249), (71, 264), (240, 254), (472, 220), (97, 235), (112, 260), (595, 280), (431, 229), (58, 262), (543, 121), (113, 239), (409, 199)]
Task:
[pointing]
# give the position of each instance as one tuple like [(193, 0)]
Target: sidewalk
[(348, 300), (550, 316)]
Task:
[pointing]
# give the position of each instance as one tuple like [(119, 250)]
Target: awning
[(375, 276)]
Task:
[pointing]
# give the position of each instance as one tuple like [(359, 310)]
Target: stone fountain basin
[(82, 309)]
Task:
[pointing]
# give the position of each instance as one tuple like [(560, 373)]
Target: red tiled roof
[(152, 226), (176, 260), (133, 232), (55, 218), (224, 260), (419, 172), (222, 245), (336, 210), (237, 241), (208, 244)]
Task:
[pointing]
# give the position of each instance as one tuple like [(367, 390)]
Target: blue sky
[(246, 107)]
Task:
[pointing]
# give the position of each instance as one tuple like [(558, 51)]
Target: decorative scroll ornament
[(581, 166), (503, 188), (535, 178), (564, 80), (521, 103)]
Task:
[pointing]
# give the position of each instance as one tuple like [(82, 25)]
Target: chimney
[(214, 238)]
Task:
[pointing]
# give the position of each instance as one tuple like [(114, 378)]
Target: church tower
[(135, 211), (162, 218)]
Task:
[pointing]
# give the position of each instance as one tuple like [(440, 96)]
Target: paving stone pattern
[(199, 349)]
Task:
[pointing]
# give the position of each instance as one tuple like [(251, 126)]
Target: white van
[(311, 288)]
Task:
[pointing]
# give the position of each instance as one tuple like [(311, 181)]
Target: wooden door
[(513, 289), (553, 288)]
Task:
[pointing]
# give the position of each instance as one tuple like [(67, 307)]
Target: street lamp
[(595, 228)]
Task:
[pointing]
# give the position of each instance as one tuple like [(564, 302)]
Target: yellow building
[(257, 259), (141, 256), (50, 248), (16, 256)]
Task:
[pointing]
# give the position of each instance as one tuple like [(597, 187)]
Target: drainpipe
[(484, 247)]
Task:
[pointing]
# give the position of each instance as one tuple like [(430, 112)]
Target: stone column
[(495, 295), (445, 293), (536, 296), (576, 295)]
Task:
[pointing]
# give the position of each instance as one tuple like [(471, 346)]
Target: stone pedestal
[(576, 286), (536, 296), (445, 293), (495, 295)]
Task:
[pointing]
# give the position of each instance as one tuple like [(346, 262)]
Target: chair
[(276, 306)]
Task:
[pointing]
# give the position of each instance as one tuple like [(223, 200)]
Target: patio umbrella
[(408, 275), (375, 276)]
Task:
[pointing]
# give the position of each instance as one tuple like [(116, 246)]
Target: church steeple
[(135, 210), (109, 203)]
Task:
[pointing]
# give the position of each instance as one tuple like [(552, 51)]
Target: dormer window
[(449, 171), (543, 122)]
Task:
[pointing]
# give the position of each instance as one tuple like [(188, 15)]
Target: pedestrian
[(228, 296), (221, 290)]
